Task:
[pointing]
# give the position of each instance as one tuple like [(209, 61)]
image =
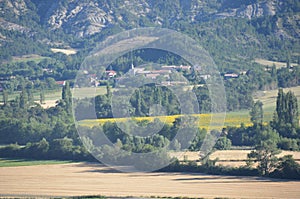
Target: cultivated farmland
[(273, 63), (234, 158), (92, 179)]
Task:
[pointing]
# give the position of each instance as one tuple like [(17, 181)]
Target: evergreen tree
[(108, 91), (23, 99), (292, 114), (280, 107), (5, 97), (67, 97), (286, 117), (138, 110), (42, 97), (30, 95), (256, 113)]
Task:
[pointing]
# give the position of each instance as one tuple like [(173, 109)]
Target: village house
[(177, 67), (61, 83), (230, 76), (110, 73)]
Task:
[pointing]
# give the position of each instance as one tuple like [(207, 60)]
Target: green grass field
[(49, 95), (268, 98), (56, 94), (272, 63), (88, 92), (4, 162), (27, 58)]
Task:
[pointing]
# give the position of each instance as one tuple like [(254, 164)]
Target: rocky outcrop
[(84, 18), (13, 26), (17, 7), (257, 10), (81, 19)]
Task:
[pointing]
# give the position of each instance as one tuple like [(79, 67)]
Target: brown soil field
[(227, 155), (232, 158), (48, 103), (78, 179)]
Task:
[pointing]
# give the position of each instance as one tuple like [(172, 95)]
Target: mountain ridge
[(85, 18)]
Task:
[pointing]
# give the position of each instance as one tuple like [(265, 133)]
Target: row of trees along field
[(283, 129), (283, 132)]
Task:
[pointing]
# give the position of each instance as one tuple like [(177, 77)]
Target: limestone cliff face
[(84, 18), (18, 7), (81, 18), (258, 10)]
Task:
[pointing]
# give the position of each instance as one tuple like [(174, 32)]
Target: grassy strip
[(5, 162), (130, 197)]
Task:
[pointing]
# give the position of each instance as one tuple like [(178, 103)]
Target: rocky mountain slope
[(230, 29), (83, 18)]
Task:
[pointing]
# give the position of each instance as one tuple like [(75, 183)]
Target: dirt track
[(88, 179)]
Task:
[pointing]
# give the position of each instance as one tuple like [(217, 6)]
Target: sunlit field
[(232, 119), (64, 51), (82, 179), (271, 63)]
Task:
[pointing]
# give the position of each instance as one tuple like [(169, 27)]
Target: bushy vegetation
[(29, 131)]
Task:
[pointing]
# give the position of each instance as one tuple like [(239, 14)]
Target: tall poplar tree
[(5, 97), (23, 98), (67, 97), (256, 113), (286, 116)]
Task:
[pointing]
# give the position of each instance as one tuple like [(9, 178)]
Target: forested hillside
[(234, 32)]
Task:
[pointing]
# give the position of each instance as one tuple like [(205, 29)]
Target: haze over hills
[(229, 29)]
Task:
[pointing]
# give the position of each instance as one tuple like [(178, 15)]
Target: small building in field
[(205, 77), (230, 76), (110, 73), (61, 83), (177, 67)]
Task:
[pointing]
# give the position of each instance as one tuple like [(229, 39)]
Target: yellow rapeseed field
[(231, 119)]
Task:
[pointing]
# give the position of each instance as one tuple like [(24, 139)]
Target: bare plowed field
[(93, 179)]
